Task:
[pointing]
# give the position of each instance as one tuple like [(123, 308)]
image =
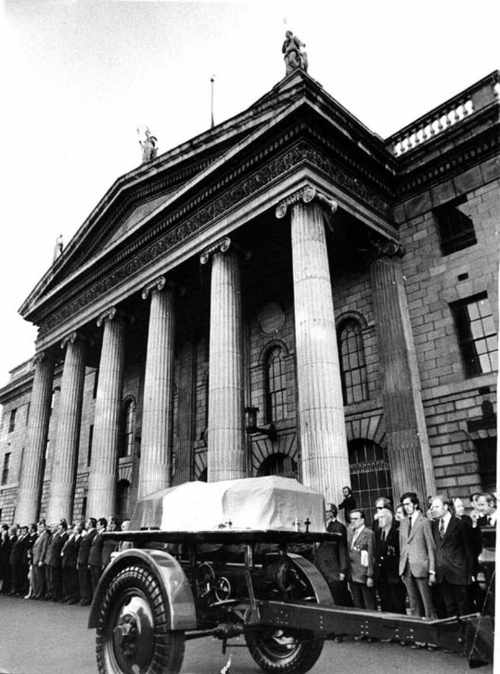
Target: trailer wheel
[(132, 627), (276, 650)]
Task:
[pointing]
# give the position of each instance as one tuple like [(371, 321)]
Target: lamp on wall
[(252, 428)]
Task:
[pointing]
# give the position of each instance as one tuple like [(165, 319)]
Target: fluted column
[(154, 468), (102, 477), (31, 478), (406, 433), (323, 444), (225, 445), (62, 481)]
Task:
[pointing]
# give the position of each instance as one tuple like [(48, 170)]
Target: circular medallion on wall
[(271, 318)]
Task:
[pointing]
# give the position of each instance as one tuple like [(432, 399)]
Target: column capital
[(110, 314), (40, 357), (307, 194), (381, 248), (220, 246), (158, 284), (72, 338)]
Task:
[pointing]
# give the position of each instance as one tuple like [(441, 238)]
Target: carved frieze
[(300, 153)]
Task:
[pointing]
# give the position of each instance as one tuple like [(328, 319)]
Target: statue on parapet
[(148, 144), (293, 53)]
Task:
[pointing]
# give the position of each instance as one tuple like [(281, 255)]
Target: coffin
[(269, 503)]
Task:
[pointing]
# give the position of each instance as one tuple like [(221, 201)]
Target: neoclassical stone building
[(285, 293)]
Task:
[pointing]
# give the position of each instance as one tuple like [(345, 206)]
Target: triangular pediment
[(143, 194)]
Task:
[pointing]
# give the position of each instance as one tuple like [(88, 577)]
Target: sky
[(79, 76)]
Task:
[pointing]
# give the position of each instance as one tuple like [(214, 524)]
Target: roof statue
[(294, 54), (58, 248), (148, 144)]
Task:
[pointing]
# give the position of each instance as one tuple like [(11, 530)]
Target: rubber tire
[(168, 647), (300, 661)]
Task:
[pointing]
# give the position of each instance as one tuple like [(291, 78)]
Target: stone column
[(225, 446), (102, 476), (62, 481), (323, 443), (156, 441), (406, 432), (31, 478)]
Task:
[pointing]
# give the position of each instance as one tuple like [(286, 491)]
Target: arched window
[(275, 382), (128, 428), (370, 473), (352, 362)]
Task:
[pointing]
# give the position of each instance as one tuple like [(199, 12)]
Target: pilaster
[(406, 433)]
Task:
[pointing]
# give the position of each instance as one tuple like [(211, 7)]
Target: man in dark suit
[(360, 543), (69, 555), (82, 561), (95, 554), (5, 545), (19, 563), (53, 560), (387, 580), (454, 557), (332, 560), (417, 557)]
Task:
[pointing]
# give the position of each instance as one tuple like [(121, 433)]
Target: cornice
[(178, 226), (450, 163)]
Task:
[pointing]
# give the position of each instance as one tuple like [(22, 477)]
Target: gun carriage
[(229, 559)]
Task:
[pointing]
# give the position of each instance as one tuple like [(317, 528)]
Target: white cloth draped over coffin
[(260, 503)]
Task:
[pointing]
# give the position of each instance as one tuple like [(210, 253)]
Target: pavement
[(48, 638)]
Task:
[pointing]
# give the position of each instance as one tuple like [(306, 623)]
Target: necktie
[(409, 525), (441, 527)]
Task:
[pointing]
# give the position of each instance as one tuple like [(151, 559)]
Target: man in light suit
[(417, 557), (360, 544)]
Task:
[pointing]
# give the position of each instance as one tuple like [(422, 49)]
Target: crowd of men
[(421, 561), (57, 563)]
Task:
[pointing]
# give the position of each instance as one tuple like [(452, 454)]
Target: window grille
[(476, 334), (128, 428), (370, 474), (276, 408), (352, 362)]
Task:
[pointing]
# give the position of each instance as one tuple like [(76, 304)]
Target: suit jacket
[(40, 546), (84, 548), (18, 551), (95, 553), (53, 556), (365, 541), (417, 548), (331, 556), (69, 552), (387, 555), (454, 552), (5, 546)]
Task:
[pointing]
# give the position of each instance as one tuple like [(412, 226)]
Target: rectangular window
[(456, 229), (5, 469), (89, 449), (12, 420), (476, 334)]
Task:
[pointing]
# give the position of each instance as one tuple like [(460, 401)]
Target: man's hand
[(369, 582), (341, 576), (432, 578)]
